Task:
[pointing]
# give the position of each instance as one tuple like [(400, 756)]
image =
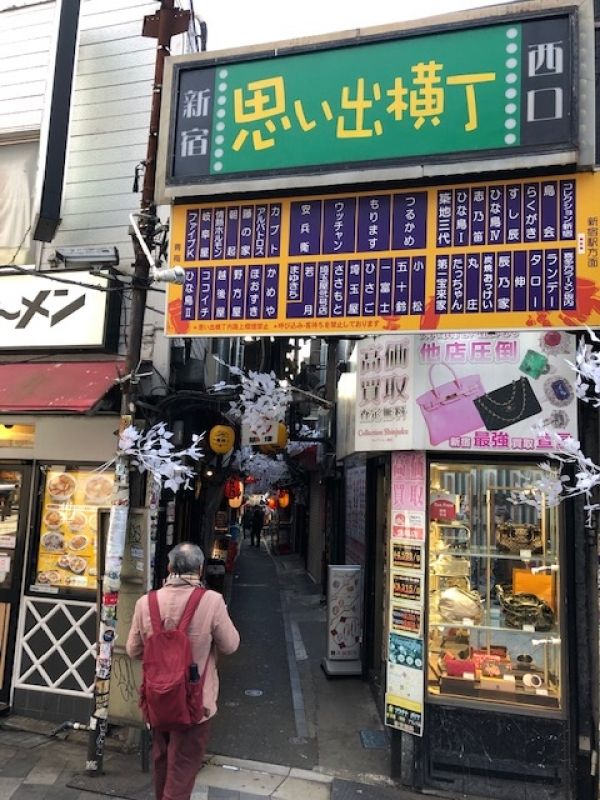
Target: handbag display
[(513, 537), (454, 536), (525, 609), (456, 666), (542, 585), (451, 566), (448, 409), (507, 405), (456, 605)]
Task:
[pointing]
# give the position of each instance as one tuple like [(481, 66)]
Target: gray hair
[(186, 558)]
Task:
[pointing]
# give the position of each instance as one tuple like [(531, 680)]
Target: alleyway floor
[(283, 729)]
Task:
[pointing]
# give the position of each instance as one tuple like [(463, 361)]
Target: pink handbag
[(449, 409)]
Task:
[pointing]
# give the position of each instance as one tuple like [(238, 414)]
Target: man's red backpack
[(169, 698)]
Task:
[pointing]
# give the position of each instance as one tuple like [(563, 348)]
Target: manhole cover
[(253, 692), (373, 740)]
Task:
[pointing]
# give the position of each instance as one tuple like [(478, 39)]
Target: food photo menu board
[(67, 550)]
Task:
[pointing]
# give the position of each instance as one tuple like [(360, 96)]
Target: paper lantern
[(272, 502), (283, 498), (279, 443), (233, 488), (221, 439), (236, 502)]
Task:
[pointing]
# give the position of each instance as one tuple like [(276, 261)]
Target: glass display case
[(494, 600)]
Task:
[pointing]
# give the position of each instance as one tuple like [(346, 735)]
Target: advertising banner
[(344, 613), (397, 96), (483, 392), (405, 684), (511, 255), (405, 675)]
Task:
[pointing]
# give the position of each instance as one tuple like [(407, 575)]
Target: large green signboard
[(486, 90)]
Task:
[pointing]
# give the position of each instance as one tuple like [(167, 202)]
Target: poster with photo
[(408, 526), (477, 392), (407, 556), (405, 684), (407, 586), (67, 549), (489, 392), (405, 620)]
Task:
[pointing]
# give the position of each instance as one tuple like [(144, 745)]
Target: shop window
[(494, 588), (18, 165)]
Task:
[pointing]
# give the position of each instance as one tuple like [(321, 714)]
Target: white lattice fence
[(56, 646)]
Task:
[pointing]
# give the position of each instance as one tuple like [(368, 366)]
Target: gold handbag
[(513, 537)]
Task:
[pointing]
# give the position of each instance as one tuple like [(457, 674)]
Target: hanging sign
[(509, 255), (371, 99)]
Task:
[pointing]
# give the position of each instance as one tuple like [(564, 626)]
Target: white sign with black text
[(37, 311)]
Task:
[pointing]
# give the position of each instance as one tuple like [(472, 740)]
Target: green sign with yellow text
[(487, 89)]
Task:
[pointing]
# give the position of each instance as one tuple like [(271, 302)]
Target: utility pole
[(162, 26)]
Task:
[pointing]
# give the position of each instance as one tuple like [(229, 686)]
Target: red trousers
[(177, 757)]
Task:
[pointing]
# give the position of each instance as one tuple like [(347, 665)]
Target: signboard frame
[(40, 313), (580, 150), (320, 264)]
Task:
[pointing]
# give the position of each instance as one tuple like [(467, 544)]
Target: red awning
[(74, 387)]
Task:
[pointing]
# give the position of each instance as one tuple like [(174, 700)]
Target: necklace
[(508, 402)]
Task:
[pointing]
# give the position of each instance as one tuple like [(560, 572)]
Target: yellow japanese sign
[(508, 255)]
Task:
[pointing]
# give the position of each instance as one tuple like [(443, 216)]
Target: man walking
[(247, 520), (258, 521), (178, 754)]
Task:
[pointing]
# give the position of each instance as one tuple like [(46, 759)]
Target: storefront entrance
[(14, 493)]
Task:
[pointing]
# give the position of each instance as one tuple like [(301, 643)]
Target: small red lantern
[(233, 488), (283, 498), (272, 502)]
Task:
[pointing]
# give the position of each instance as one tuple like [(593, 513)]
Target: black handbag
[(507, 405), (525, 609)]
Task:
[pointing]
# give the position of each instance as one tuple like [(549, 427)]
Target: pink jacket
[(210, 625)]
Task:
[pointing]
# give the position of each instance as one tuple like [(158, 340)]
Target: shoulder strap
[(190, 608), (157, 623)]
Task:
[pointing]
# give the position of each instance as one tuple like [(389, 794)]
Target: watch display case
[(494, 597)]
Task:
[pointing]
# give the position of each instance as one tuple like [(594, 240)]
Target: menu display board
[(67, 549)]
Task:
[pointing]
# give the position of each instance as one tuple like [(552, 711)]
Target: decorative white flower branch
[(587, 368), (553, 487), (267, 471), (262, 398), (153, 451)]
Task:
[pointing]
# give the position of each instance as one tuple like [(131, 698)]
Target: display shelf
[(436, 622), (546, 559), (484, 539)]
